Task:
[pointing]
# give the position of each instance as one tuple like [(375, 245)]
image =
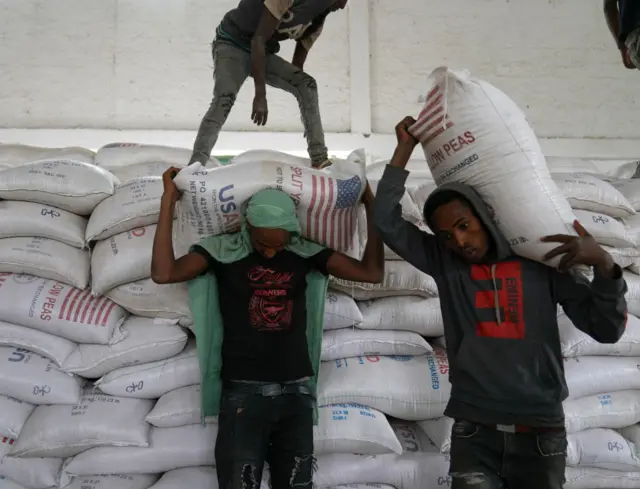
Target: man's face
[(268, 242), (461, 231), (338, 5)]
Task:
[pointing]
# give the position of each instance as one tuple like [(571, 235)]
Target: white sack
[(145, 342), (59, 309), (179, 407), (624, 257), (19, 154), (412, 388), (610, 410), (35, 473), (116, 156), (141, 170), (9, 484), (169, 449), (473, 133), (400, 278), (122, 259), (27, 219), (136, 481), (153, 380), (134, 204), (626, 170), (410, 313), (46, 258), (269, 155), (45, 344), (340, 311), (213, 200), (630, 189), (359, 486), (353, 428), (575, 343), (70, 185), (632, 227), (36, 379), (148, 299), (439, 432), (593, 375), (96, 421), (420, 466), (590, 193), (605, 230), (602, 449), (350, 343), (13, 414), (571, 165), (194, 478), (588, 478), (633, 292)]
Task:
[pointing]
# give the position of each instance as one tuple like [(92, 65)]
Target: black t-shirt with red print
[(264, 311)]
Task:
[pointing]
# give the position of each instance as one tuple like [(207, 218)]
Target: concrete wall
[(147, 64)]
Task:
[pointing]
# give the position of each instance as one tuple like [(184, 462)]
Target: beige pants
[(633, 47)]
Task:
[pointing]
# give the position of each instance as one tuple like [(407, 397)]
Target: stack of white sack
[(123, 227), (43, 217), (18, 154)]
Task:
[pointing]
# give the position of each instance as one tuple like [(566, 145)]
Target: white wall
[(147, 64)]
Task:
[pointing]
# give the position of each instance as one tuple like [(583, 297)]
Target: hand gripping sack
[(213, 200), (59, 309), (35, 379), (97, 420), (412, 388), (473, 133), (13, 414), (70, 185)]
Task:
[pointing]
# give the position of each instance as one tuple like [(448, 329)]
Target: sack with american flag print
[(473, 133), (213, 200)]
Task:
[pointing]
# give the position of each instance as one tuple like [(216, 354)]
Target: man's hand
[(579, 250), (626, 59), (368, 197), (171, 193), (260, 110), (406, 143)]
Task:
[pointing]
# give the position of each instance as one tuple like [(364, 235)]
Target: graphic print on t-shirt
[(270, 308)]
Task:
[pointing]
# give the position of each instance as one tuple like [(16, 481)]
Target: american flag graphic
[(79, 306), (432, 121), (331, 218)]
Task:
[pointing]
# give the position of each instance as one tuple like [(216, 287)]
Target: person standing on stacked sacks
[(257, 300), (499, 312), (246, 44)]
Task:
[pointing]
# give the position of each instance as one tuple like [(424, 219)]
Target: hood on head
[(484, 213), (272, 209)]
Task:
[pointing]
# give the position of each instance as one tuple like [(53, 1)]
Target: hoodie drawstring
[(496, 299)]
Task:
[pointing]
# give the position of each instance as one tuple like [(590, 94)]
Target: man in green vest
[(246, 44), (257, 300)]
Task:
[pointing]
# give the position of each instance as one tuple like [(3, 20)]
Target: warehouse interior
[(112, 356)]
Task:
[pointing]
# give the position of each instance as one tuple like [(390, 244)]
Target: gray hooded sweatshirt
[(500, 317)]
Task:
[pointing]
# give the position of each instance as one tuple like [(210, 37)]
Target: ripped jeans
[(255, 427), (485, 458)]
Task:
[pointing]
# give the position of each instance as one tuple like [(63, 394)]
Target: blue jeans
[(485, 458), (261, 423)]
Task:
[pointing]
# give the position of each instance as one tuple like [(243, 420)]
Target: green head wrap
[(268, 208)]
